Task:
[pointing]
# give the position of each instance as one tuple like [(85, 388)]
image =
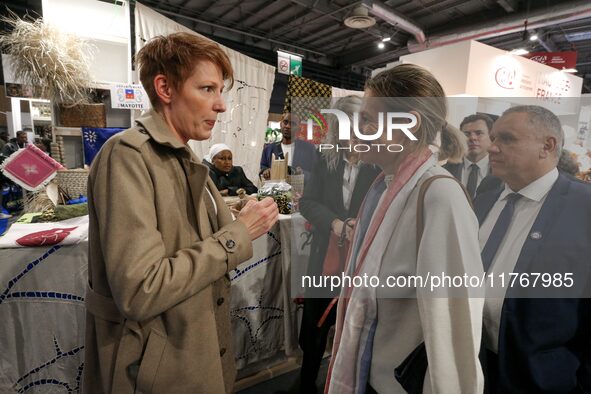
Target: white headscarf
[(215, 149)]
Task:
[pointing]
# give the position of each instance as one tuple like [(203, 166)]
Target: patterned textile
[(42, 319), (30, 168), (93, 139), (42, 311), (306, 98), (66, 232)]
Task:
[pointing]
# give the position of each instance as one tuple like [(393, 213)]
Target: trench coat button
[(220, 300), (132, 370), (222, 351), (230, 244)]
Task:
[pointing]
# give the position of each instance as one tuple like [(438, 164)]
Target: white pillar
[(15, 118)]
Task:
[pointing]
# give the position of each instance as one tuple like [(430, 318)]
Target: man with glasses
[(301, 154), (475, 169)]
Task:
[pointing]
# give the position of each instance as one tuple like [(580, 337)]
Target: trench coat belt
[(101, 306)]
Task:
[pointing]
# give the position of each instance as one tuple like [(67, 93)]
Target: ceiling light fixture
[(360, 19), (533, 37), (519, 52), (386, 39), (381, 45)]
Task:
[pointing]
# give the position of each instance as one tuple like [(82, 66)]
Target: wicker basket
[(84, 115), (73, 182)]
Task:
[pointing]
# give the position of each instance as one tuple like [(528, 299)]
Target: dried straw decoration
[(37, 202), (45, 57)]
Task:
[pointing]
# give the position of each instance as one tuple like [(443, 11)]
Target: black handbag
[(411, 372)]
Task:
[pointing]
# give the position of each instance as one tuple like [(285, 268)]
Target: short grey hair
[(348, 105), (541, 118)]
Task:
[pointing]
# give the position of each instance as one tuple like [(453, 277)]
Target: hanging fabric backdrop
[(338, 92), (242, 127), (305, 98)]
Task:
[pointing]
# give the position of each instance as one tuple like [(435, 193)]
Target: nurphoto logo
[(391, 119)]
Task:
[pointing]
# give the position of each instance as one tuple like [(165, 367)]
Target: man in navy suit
[(302, 154), (474, 170), (537, 338)]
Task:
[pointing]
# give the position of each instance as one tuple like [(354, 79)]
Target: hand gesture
[(259, 216)]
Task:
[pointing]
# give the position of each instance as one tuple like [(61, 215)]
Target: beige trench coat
[(158, 298)]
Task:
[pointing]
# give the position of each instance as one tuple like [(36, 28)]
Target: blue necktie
[(499, 231)]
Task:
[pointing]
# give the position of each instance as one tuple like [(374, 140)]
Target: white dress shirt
[(288, 149), (483, 167), (349, 180), (524, 216)]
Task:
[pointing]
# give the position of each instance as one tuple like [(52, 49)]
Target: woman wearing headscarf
[(431, 338), (336, 189), (228, 178)]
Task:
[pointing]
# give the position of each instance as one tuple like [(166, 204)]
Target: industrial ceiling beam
[(249, 34), (550, 16)]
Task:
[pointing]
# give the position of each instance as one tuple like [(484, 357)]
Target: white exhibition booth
[(481, 78), (107, 26)]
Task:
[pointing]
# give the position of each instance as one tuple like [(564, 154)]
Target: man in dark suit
[(537, 337), (302, 154), (474, 170)]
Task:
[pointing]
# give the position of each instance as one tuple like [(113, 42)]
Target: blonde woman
[(378, 328), (336, 189)]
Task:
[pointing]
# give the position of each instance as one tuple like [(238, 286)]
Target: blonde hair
[(175, 56), (416, 89), (348, 105)]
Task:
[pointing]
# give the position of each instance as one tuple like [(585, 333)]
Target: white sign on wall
[(129, 96)]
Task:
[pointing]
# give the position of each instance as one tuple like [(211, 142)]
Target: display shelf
[(67, 131)]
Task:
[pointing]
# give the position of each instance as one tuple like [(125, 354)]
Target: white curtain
[(242, 127), (338, 92)]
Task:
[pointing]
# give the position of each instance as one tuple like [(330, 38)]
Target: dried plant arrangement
[(37, 202), (48, 59)]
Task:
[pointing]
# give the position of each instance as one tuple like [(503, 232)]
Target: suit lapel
[(339, 204), (552, 206), (278, 151), (484, 203), (364, 181)]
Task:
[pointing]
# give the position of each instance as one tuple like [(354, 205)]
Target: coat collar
[(155, 125)]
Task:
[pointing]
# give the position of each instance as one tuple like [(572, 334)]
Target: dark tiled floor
[(287, 383)]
